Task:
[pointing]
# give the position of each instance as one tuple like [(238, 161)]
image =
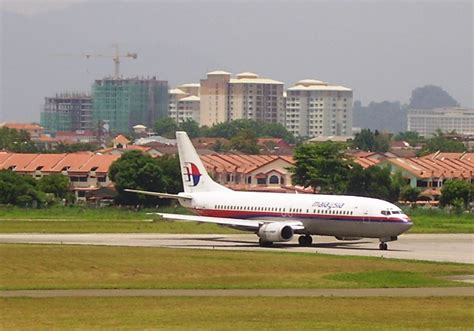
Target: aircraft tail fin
[(193, 172)]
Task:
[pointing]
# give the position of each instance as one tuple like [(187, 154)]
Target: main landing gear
[(305, 240), (383, 246), (263, 243)]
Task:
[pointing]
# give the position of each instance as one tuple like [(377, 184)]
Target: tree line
[(242, 134), (328, 169), (26, 191), (375, 141), (19, 141)]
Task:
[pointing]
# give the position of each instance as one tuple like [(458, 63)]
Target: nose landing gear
[(383, 246)]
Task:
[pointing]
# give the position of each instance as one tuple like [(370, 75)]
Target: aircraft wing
[(160, 195), (235, 222)]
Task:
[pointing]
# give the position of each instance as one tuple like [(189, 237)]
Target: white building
[(427, 121), (315, 108), (255, 98), (247, 96), (174, 96), (188, 109)]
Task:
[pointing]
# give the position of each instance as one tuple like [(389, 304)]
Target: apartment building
[(124, 103), (427, 121), (247, 96), (67, 112), (184, 104), (214, 98), (254, 98), (315, 108), (190, 88), (189, 109), (174, 95)]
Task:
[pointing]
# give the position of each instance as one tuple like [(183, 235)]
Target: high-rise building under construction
[(67, 112), (123, 103)]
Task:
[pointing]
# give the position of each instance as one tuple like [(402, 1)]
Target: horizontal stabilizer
[(160, 195)]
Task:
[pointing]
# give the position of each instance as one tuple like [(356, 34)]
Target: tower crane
[(115, 57)]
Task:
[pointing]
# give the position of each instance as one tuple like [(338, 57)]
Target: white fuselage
[(330, 215)]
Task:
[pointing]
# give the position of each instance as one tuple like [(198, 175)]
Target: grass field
[(237, 313), (439, 221), (110, 226), (66, 267), (81, 213)]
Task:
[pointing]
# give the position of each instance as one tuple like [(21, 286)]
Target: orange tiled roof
[(268, 140), (240, 163), (275, 189), (446, 155), (121, 139), (4, 156), (72, 161), (21, 126), (43, 162), (98, 163), (365, 162), (18, 161), (366, 159), (45, 139), (80, 162), (85, 133), (436, 168)]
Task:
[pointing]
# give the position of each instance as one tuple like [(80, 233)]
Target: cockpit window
[(385, 212), (396, 212)]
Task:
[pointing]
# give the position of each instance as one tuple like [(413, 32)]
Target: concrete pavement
[(430, 247)]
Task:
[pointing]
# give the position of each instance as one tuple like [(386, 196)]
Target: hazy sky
[(380, 49)]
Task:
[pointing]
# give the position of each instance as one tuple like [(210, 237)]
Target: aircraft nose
[(407, 223)]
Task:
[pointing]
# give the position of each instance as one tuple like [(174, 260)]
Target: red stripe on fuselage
[(254, 214)]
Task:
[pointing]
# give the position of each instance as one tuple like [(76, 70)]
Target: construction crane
[(115, 57)]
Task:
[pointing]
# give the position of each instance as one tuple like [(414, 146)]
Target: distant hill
[(430, 97), (391, 117), (384, 116)]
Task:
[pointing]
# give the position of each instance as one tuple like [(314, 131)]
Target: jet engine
[(274, 232)]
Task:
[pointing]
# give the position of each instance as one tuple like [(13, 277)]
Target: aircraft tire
[(305, 240), (263, 243), (383, 246)]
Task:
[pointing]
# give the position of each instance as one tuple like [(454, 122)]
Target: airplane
[(277, 217)]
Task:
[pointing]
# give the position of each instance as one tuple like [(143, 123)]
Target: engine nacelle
[(274, 232)]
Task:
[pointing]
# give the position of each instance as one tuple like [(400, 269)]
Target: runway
[(429, 247)]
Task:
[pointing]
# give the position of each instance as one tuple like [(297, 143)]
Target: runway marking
[(371, 292)]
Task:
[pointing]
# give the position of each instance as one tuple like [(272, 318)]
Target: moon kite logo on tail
[(192, 174)]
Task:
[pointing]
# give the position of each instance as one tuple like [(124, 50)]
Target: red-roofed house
[(35, 130), (120, 141), (86, 171), (80, 136), (275, 146), (251, 172), (430, 172)]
